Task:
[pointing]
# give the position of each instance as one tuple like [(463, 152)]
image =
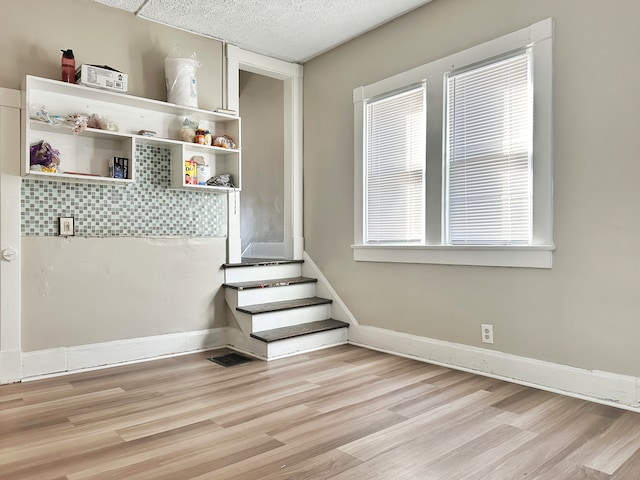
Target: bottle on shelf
[(68, 66), (200, 136)]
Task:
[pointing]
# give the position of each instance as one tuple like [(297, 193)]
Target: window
[(395, 153), (488, 151), (453, 158)]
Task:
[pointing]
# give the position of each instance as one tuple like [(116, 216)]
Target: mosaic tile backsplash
[(146, 208)]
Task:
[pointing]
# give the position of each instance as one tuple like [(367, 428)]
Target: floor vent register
[(230, 360)]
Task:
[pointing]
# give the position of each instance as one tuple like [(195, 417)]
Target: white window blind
[(488, 154), (395, 146)]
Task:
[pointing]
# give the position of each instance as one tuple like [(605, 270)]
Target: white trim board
[(9, 97), (602, 387), (10, 364), (339, 309), (101, 355), (10, 241)]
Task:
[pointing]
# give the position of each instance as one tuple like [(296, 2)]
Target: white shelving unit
[(85, 157)]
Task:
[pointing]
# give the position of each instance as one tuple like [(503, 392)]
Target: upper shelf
[(131, 114), (115, 98)]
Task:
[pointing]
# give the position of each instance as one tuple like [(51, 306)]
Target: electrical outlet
[(487, 333), (65, 226)]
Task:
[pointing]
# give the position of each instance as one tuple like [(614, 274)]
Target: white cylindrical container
[(180, 75)]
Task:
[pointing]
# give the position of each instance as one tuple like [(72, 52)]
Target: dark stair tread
[(283, 305), (260, 263), (277, 282), (298, 330)]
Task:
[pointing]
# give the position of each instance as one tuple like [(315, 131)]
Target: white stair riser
[(264, 272), (313, 341), (255, 296), (287, 318)]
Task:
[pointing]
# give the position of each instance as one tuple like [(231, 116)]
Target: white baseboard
[(69, 359), (598, 386), (10, 366), (603, 387)]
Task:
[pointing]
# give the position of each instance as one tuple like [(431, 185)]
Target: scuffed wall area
[(78, 291)]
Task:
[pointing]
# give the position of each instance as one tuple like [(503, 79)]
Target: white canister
[(180, 76), (204, 174)]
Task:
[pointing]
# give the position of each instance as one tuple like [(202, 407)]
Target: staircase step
[(299, 330), (261, 271), (259, 263), (284, 305), (277, 282)]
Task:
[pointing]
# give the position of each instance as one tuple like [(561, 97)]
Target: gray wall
[(86, 290), (262, 112), (32, 32), (584, 312)]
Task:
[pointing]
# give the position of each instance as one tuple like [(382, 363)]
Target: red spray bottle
[(68, 66)]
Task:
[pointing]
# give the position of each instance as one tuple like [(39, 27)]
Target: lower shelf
[(206, 188), (77, 177)]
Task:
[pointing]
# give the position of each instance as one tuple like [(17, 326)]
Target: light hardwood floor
[(344, 413)]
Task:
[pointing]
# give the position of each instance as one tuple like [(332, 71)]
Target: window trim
[(539, 37)]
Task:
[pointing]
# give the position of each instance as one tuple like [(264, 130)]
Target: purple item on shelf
[(42, 153)]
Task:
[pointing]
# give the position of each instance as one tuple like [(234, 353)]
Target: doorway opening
[(262, 209)]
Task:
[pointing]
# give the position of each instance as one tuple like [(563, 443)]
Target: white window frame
[(539, 38)]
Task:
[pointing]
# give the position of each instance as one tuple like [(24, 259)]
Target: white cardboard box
[(100, 77)]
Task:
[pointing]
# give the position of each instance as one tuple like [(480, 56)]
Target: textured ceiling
[(292, 30)]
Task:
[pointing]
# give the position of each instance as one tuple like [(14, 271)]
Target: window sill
[(539, 256)]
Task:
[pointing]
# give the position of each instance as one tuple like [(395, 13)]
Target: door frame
[(291, 74), (10, 241)]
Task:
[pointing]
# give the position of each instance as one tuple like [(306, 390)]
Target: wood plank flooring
[(345, 413)]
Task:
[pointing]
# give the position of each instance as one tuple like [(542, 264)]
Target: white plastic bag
[(180, 75)]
